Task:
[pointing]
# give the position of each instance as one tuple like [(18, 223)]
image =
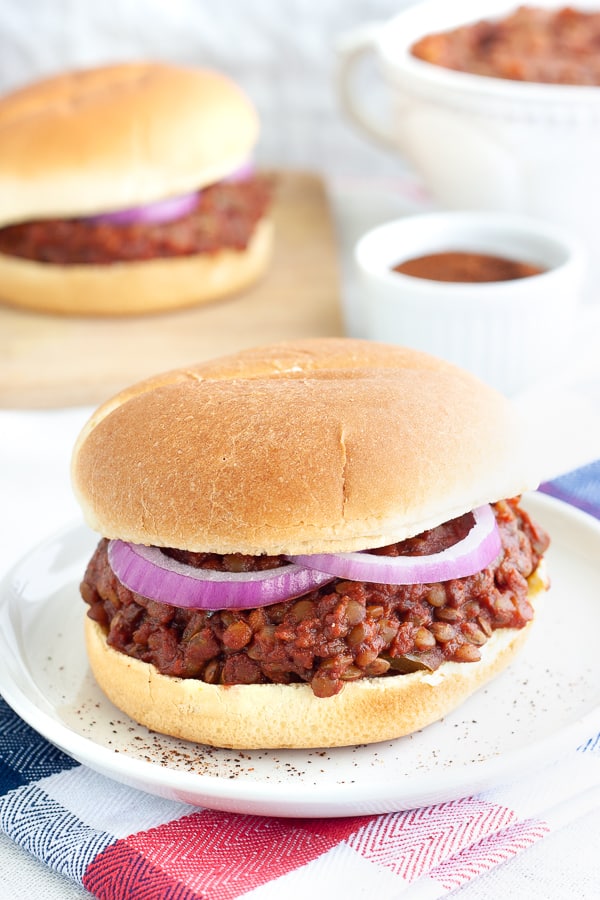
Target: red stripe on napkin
[(212, 855), (122, 873), (413, 843), (489, 852)]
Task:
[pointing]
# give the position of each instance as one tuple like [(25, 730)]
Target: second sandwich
[(130, 188)]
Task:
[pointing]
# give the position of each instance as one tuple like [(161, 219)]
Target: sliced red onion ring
[(150, 213), (149, 572), (471, 554)]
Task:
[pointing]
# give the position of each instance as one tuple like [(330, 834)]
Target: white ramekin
[(477, 142), (512, 333)]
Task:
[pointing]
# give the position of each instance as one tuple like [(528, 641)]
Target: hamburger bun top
[(117, 136), (315, 445)]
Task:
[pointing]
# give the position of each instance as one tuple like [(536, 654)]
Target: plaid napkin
[(120, 843)]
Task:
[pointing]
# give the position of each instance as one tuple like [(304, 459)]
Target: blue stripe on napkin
[(592, 745), (28, 815), (25, 756), (580, 488), (52, 833)]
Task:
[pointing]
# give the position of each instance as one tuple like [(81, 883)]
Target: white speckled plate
[(547, 701)]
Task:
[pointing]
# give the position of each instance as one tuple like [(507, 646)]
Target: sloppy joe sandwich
[(311, 544), (130, 188)]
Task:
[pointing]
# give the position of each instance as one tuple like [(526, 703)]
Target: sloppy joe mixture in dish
[(532, 44)]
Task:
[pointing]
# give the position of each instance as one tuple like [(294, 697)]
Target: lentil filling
[(224, 218), (551, 46), (339, 633)]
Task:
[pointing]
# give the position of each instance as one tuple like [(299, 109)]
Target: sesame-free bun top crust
[(116, 136), (324, 444)]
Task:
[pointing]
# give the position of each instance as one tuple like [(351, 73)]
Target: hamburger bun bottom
[(148, 286), (275, 716)]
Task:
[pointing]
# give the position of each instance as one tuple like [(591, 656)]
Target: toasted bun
[(135, 287), (323, 444), (263, 716), (117, 136)]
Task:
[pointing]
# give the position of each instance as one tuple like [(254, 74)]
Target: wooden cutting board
[(51, 361)]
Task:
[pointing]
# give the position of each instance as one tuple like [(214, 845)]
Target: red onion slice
[(166, 210), (473, 553), (149, 572)]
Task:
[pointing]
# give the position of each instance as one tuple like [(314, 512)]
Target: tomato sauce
[(459, 266)]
